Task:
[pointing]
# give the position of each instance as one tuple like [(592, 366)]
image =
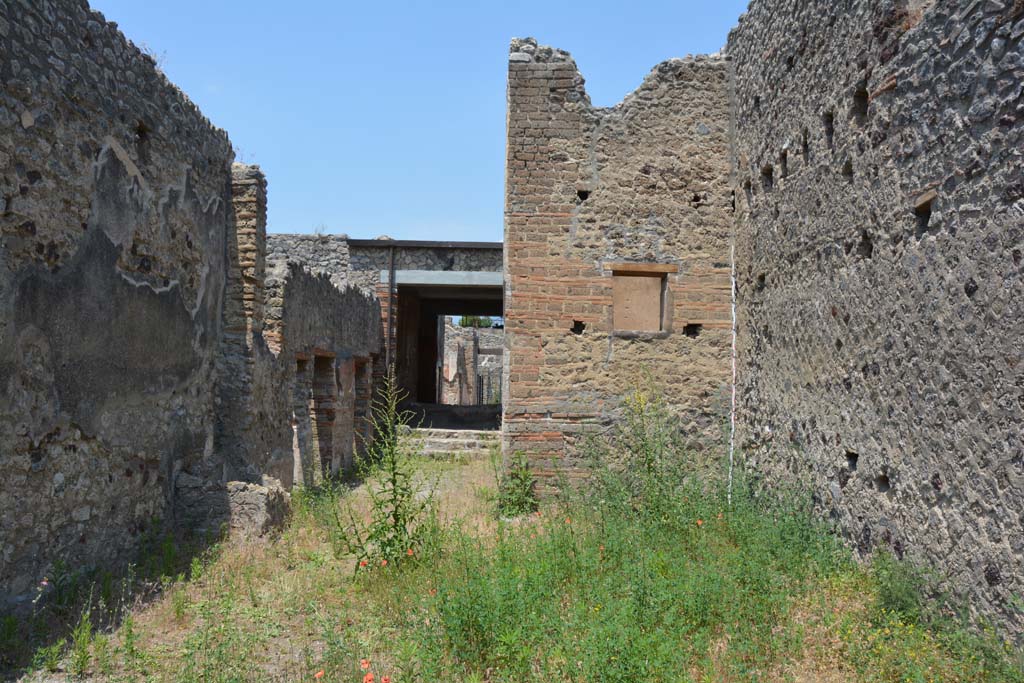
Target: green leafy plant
[(101, 651), (180, 602), (899, 586), (399, 510), (81, 642), (517, 494), (475, 321), (129, 640), (47, 658)]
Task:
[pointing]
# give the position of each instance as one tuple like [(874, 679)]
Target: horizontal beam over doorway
[(450, 278)]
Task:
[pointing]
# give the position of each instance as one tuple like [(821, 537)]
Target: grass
[(649, 572)]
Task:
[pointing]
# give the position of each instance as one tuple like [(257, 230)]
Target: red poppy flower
[(362, 563), (700, 522), (409, 552), (319, 674), (368, 678), (364, 664), (383, 563)]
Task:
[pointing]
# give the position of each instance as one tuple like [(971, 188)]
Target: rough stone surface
[(880, 347), (114, 204), (361, 266), (644, 182), (245, 510)]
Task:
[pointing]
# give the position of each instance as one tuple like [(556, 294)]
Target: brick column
[(243, 317), (545, 107)]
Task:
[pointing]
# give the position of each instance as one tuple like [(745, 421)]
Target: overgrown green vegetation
[(649, 571), (67, 625), (517, 494), (476, 321), (400, 507)]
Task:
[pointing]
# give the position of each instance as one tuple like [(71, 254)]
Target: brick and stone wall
[(590, 192), (114, 206), (366, 266), (361, 264), (878, 156), (293, 338)]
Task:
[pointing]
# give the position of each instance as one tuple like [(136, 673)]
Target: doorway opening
[(449, 354)]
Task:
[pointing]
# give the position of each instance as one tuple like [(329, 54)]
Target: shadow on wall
[(34, 635)]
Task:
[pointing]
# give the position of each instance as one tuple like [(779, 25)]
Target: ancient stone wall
[(319, 254), (617, 230), (362, 263), (323, 334), (114, 205), (878, 155), (367, 264), (293, 338)]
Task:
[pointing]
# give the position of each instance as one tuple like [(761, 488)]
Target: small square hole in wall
[(923, 214), (861, 102), (693, 330)]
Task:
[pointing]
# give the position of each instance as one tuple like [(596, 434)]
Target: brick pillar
[(247, 252), (242, 317), (546, 106)]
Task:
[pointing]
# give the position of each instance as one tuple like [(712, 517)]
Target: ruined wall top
[(527, 50)]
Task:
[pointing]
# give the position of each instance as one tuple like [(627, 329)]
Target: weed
[(129, 644), (516, 485), (47, 658), (81, 642), (180, 603), (398, 509), (102, 652)]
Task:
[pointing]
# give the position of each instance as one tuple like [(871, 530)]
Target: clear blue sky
[(389, 117)]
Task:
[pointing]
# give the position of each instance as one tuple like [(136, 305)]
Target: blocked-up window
[(638, 301)]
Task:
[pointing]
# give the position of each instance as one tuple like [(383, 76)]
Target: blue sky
[(389, 118)]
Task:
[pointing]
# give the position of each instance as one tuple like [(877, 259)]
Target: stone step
[(456, 443), (441, 446), (457, 434)]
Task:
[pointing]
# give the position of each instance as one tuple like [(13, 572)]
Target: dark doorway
[(421, 311)]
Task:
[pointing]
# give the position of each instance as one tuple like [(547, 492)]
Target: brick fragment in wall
[(880, 285)]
